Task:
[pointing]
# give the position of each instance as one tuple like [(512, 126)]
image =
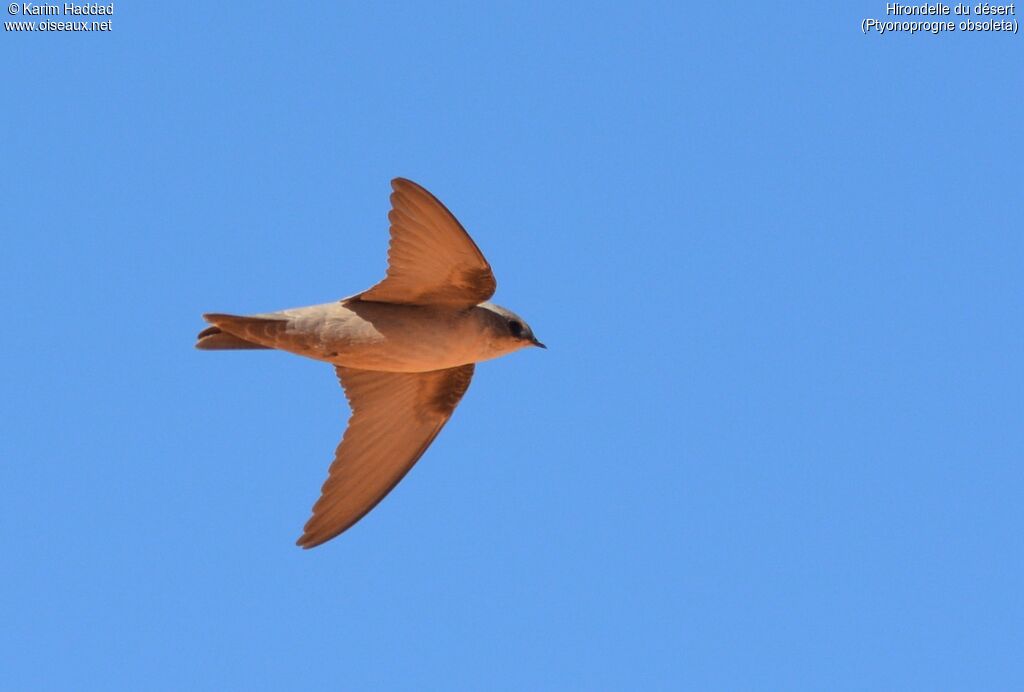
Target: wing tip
[(310, 540)]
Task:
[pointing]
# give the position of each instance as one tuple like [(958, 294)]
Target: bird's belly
[(395, 338), (399, 355)]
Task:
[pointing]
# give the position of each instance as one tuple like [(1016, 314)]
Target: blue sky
[(776, 442)]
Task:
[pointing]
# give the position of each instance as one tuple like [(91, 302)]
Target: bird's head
[(508, 330)]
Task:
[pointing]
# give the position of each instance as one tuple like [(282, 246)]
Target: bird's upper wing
[(395, 417), (431, 259)]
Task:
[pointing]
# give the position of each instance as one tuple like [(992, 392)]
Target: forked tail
[(219, 337)]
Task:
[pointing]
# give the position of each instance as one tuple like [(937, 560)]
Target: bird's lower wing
[(395, 417)]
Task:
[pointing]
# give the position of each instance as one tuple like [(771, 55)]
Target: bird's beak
[(537, 343)]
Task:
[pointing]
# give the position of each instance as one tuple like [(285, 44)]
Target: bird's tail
[(231, 332)]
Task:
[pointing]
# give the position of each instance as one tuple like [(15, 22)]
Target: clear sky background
[(776, 442)]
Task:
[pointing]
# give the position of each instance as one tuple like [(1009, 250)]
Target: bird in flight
[(404, 351)]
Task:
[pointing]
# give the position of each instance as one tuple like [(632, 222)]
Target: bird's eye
[(516, 327)]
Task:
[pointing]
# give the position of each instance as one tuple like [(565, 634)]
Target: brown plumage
[(404, 352)]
